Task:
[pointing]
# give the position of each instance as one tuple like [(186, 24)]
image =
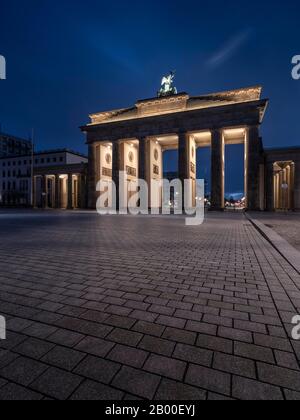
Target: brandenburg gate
[(134, 139)]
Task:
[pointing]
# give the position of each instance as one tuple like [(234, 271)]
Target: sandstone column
[(116, 154), (217, 170), (254, 161), (183, 160), (57, 192), (292, 186), (70, 192), (142, 159), (92, 176), (44, 192), (270, 187)]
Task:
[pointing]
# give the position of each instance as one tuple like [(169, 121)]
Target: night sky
[(66, 59)]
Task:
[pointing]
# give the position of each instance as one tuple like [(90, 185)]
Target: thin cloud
[(229, 49)]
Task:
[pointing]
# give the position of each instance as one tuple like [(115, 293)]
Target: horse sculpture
[(167, 88)]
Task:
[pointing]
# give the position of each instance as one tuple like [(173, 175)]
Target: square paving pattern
[(125, 308)]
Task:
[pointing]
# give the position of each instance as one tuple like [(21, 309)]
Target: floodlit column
[(57, 192), (81, 188), (254, 161), (277, 191), (270, 187), (192, 171), (142, 158), (292, 188), (288, 180), (92, 176), (154, 173), (280, 190), (183, 160), (116, 168), (70, 192), (44, 192), (217, 170)]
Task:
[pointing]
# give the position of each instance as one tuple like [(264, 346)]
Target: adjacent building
[(49, 179), (282, 178), (12, 146)]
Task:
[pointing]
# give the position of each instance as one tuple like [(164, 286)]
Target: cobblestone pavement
[(129, 308)]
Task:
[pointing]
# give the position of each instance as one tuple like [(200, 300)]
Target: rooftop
[(14, 137), (47, 152), (177, 103)]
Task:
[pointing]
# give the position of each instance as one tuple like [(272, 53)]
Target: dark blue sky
[(67, 58)]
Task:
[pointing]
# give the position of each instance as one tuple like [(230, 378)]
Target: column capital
[(183, 133)]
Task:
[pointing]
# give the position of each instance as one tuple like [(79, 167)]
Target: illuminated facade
[(133, 140), (49, 179), (282, 179)]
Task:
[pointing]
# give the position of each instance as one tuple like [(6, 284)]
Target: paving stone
[(234, 365), (63, 358), (66, 338), (217, 397), (18, 324), (23, 371), (12, 340), (217, 320), (254, 352), (93, 391), (287, 360), (193, 354), (13, 392), (57, 383), (201, 327), (34, 348), (215, 343), (121, 322), (128, 356), (273, 342), (235, 334), (95, 346), (165, 366), (39, 330), (98, 369), (247, 389), (292, 395), (180, 336), (6, 357), (149, 328), (279, 376), (174, 391), (208, 379), (129, 338), (137, 382), (2, 382), (157, 345), (171, 321)]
